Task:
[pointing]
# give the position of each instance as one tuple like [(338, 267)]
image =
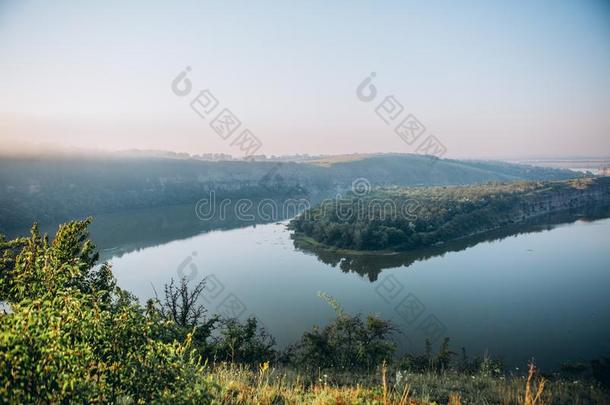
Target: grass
[(238, 385)]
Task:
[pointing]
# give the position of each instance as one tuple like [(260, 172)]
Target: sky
[(487, 79)]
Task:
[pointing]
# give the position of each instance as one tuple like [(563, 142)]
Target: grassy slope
[(238, 385)]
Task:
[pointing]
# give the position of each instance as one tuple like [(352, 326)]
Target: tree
[(243, 342)]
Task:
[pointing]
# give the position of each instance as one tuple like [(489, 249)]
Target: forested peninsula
[(399, 219)]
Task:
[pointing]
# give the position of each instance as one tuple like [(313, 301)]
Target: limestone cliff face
[(549, 198), (575, 194)]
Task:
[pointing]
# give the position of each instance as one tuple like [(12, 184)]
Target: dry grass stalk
[(384, 371), (532, 398), (454, 399), (405, 395)]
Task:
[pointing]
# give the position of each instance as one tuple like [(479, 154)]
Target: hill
[(56, 188)]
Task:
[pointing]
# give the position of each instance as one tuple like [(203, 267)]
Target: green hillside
[(55, 189)]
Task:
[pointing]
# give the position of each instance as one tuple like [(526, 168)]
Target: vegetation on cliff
[(409, 218)]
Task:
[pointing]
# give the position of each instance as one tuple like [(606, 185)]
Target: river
[(539, 292)]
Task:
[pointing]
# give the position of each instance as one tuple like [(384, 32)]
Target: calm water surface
[(542, 294)]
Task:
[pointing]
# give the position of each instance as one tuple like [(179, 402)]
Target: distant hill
[(52, 188), (410, 170)]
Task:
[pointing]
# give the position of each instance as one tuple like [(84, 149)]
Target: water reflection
[(120, 233), (370, 265), (116, 234)]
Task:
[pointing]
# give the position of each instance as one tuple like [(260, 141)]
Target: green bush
[(349, 343), (71, 335)]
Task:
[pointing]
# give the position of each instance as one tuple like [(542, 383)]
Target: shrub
[(72, 335), (348, 343)]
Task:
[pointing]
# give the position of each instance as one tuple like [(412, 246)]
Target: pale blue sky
[(489, 79)]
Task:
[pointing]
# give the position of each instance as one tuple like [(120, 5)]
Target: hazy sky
[(488, 79)]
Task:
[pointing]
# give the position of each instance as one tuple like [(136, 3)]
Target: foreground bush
[(71, 335)]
